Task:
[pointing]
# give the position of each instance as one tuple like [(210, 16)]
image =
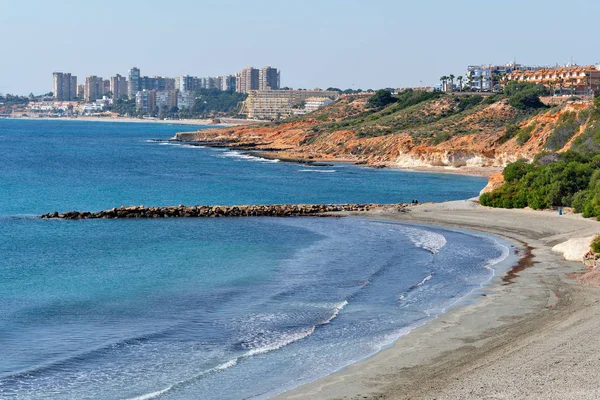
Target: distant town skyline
[(336, 43)]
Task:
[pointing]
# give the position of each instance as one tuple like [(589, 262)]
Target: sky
[(315, 43)]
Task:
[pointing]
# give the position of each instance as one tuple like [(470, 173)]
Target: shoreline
[(281, 156), (510, 342), (194, 122), (469, 171)]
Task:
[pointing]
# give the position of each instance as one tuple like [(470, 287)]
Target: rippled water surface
[(206, 308)]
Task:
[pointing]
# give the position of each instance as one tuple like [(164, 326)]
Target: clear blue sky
[(315, 43)]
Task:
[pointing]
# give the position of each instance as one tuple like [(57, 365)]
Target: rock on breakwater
[(181, 211)]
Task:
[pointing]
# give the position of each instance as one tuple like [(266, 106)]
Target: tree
[(443, 79), (560, 85), (460, 79), (597, 102), (525, 100), (451, 77), (589, 82), (381, 99), (480, 83)]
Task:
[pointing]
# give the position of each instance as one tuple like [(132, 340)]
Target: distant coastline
[(204, 122)]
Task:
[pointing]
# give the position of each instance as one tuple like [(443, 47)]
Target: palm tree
[(459, 79), (443, 79), (480, 78), (587, 75), (560, 86), (451, 77)]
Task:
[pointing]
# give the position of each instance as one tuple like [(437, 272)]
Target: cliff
[(466, 133)]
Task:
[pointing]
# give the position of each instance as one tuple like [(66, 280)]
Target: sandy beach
[(206, 122), (531, 334)]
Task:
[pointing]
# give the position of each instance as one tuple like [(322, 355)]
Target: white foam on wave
[(152, 395), (180, 145), (159, 393), (322, 171), (428, 240), (336, 310), (247, 157), (292, 337), (424, 280), (282, 342)]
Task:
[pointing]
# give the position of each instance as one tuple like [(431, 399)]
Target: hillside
[(419, 130)]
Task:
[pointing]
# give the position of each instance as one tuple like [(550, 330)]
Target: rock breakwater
[(181, 211)]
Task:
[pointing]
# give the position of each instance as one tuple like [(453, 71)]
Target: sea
[(219, 308)]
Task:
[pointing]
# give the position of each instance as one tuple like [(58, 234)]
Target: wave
[(291, 337), (86, 355), (247, 157), (282, 342), (423, 281), (152, 395), (413, 287), (428, 240), (336, 310), (158, 393), (180, 145), (322, 171)]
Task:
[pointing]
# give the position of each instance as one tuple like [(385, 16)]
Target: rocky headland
[(450, 132)]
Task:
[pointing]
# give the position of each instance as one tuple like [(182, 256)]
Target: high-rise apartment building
[(73, 88), (187, 82), (145, 100), (166, 99), (118, 86), (94, 88), (65, 86), (159, 83), (228, 83), (268, 78), (134, 82), (185, 99), (247, 80), (277, 104)]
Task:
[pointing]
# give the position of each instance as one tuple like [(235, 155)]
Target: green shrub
[(516, 170), (441, 137), (526, 100), (525, 95), (381, 99), (566, 127), (595, 246), (524, 134), (564, 179), (466, 102)]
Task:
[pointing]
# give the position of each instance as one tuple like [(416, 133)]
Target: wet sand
[(532, 334)]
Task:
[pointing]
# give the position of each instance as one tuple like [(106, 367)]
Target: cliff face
[(465, 132)]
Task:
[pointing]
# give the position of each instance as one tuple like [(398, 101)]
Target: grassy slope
[(422, 126)]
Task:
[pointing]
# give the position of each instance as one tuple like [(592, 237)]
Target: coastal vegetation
[(568, 178), (209, 103), (424, 128), (428, 115)]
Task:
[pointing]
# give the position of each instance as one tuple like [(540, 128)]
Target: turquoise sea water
[(206, 308)]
